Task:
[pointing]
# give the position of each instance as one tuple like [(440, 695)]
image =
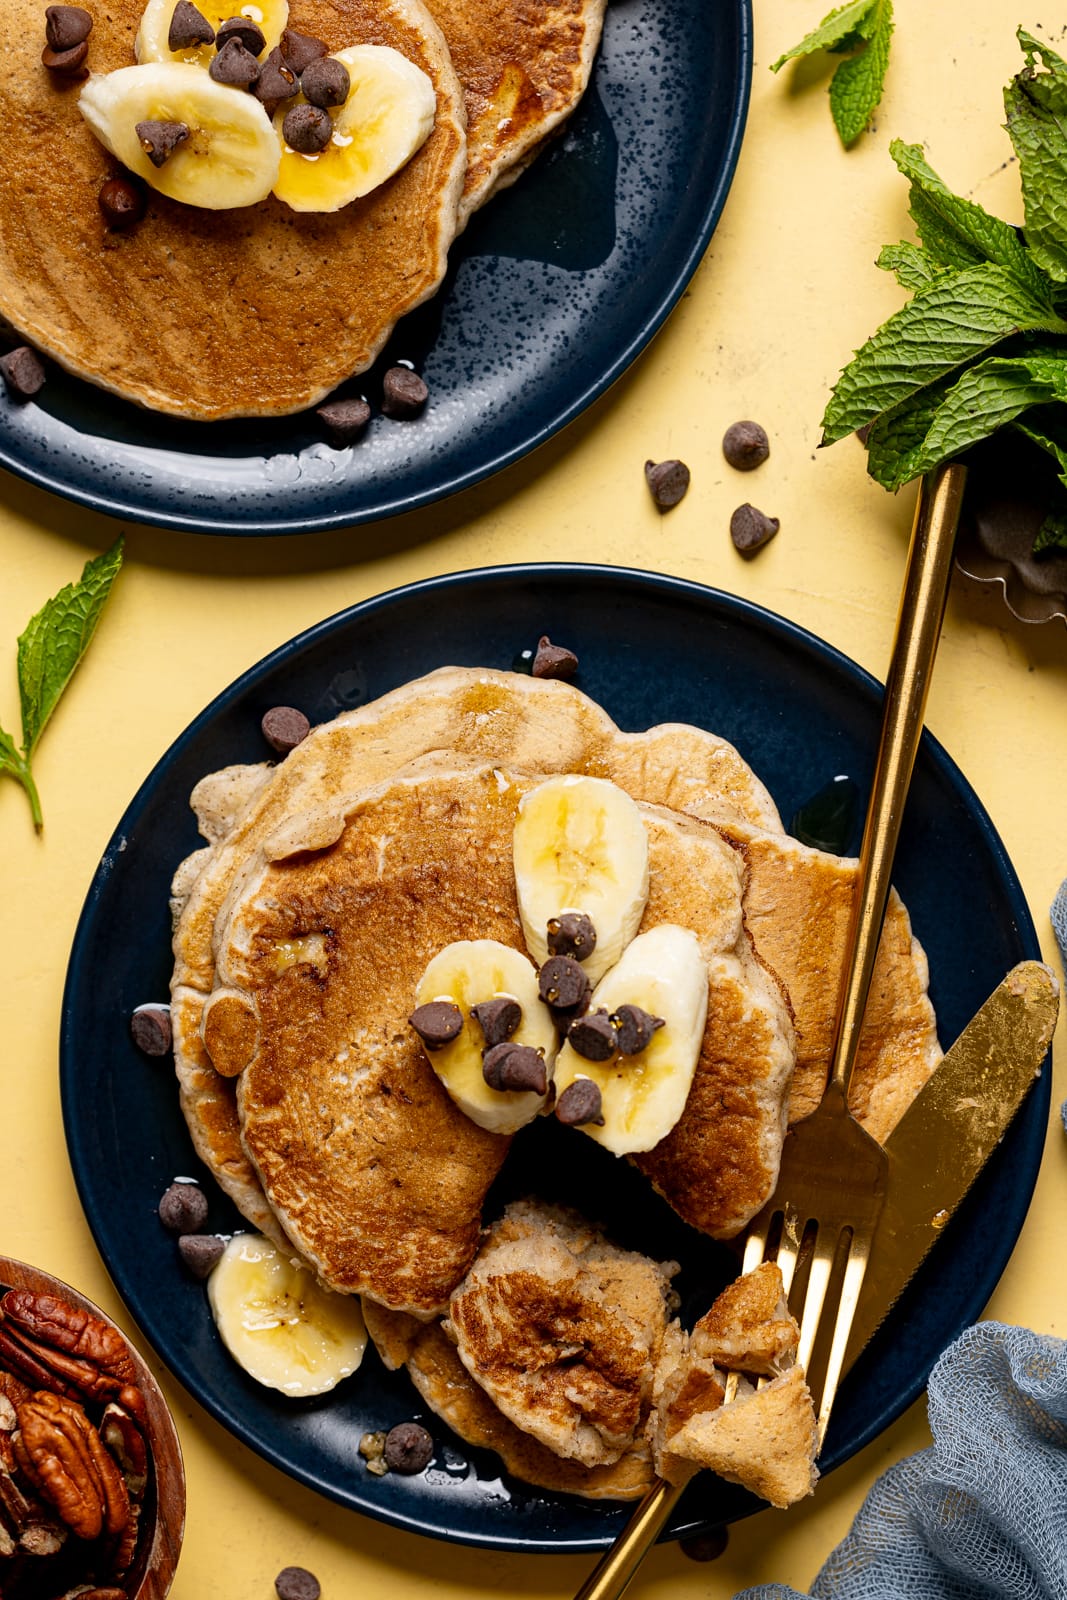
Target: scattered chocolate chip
[(580, 1103), (404, 394), (563, 986), (667, 482), (408, 1447), (523, 662), (594, 1036), (635, 1029), (553, 660), (66, 63), (345, 421), (199, 1252), (437, 1023), (276, 81), (234, 65), (498, 1018), (705, 1546), (299, 50), (307, 130), (516, 1067), (122, 202), (150, 1029), (284, 727), (66, 26), (183, 1208), (745, 445), (159, 140), (22, 372), (572, 934), (297, 1583), (243, 29), (326, 82), (188, 27), (750, 529)]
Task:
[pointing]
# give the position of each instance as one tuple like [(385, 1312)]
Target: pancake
[(252, 312)]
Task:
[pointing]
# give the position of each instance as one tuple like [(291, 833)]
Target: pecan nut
[(126, 1442), (30, 1367), (64, 1457), (70, 1329)]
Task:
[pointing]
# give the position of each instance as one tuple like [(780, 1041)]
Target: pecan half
[(70, 1375), (70, 1329), (64, 1457), (126, 1442), (13, 1388), (30, 1525), (30, 1367)]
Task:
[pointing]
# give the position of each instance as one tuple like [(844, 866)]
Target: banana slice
[(231, 155), (284, 1328), (388, 115), (467, 973), (642, 1096), (581, 845), (153, 33)]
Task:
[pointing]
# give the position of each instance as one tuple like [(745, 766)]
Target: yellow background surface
[(787, 290)]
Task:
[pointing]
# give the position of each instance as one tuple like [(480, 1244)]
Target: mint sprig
[(49, 650), (861, 31)]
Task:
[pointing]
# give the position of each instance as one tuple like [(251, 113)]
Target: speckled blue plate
[(652, 649), (551, 293)]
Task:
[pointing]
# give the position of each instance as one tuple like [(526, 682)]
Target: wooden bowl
[(163, 1509)]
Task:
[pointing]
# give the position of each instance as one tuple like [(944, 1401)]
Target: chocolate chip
[(307, 130), (745, 445), (122, 202), (404, 394), (437, 1023), (705, 1546), (159, 140), (66, 63), (563, 986), (66, 26), (247, 32), (594, 1036), (667, 482), (22, 372), (188, 27), (299, 50), (516, 1067), (284, 727), (297, 1583), (183, 1208), (234, 65), (498, 1018), (326, 82), (150, 1029), (635, 1029), (580, 1103), (345, 421), (276, 81), (408, 1448), (199, 1252), (751, 529), (553, 660), (572, 934)]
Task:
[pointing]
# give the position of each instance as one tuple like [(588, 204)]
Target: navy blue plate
[(652, 649), (551, 293)]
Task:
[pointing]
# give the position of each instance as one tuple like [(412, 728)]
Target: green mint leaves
[(861, 32), (982, 343), (49, 650)]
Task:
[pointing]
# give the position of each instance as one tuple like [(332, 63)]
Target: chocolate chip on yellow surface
[(122, 202), (243, 28), (571, 934), (745, 445), (22, 372), (276, 81), (188, 27), (667, 482), (284, 727), (234, 65), (437, 1023), (751, 529), (705, 1546), (563, 986), (183, 1208), (580, 1103), (408, 1447), (345, 421), (66, 26), (498, 1018), (553, 660), (199, 1252), (150, 1029), (297, 1583), (307, 130), (66, 63), (326, 82), (593, 1036), (159, 140), (515, 1067), (404, 394), (635, 1029), (299, 50)]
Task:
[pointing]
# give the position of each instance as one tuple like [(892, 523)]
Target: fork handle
[(617, 1566), (922, 610)]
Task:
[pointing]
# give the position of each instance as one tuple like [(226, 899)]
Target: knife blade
[(950, 1130)]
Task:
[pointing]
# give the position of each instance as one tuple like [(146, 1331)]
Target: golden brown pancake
[(256, 311)]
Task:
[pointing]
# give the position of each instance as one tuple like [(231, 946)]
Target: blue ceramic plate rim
[(1016, 1162), (608, 351)]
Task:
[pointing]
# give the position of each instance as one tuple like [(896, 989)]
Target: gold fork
[(832, 1182)]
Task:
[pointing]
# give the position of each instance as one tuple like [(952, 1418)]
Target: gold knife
[(947, 1134)]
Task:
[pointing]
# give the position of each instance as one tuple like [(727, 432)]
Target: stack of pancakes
[(330, 880), (263, 311)]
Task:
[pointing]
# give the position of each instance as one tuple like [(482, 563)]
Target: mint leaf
[(1036, 104), (1046, 426), (56, 639), (16, 765), (856, 87), (834, 32), (914, 268)]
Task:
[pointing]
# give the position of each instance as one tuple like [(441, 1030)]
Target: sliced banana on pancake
[(229, 155), (388, 115), (279, 1323), (580, 845), (642, 1096), (153, 34), (470, 973)]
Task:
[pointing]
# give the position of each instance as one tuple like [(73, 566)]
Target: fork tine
[(822, 1261), (856, 1267)]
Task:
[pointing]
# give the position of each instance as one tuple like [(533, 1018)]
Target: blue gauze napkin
[(982, 1514)]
